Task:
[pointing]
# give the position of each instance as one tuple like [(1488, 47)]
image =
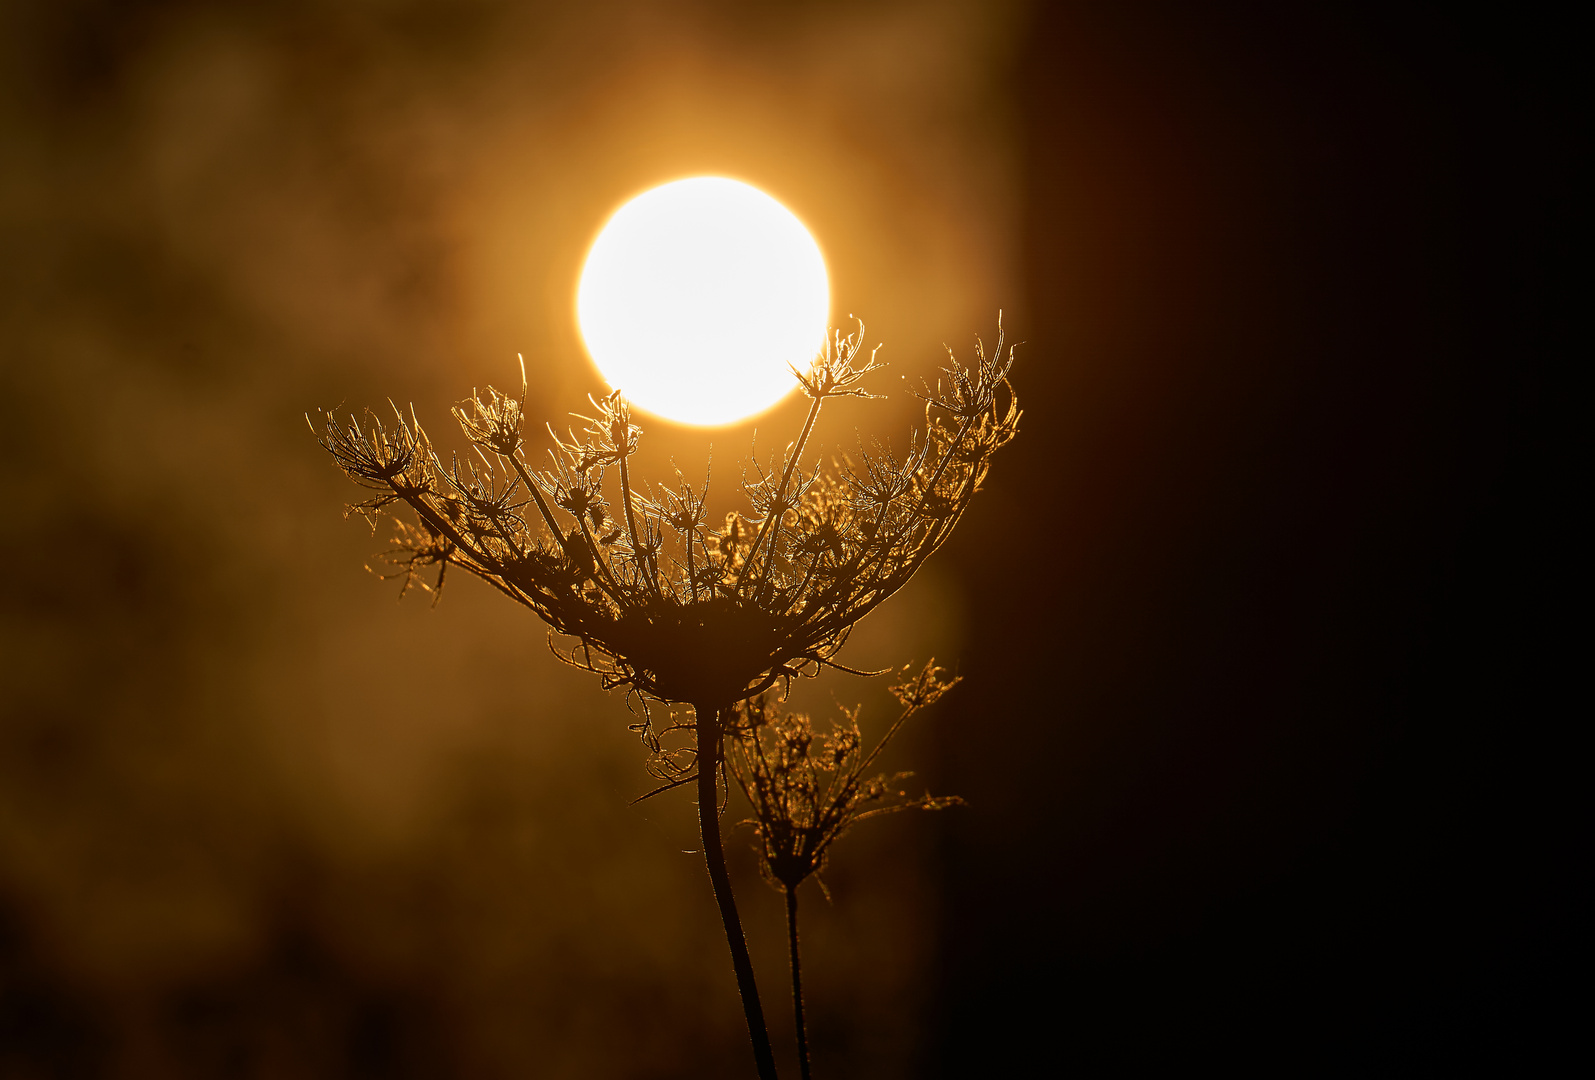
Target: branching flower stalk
[(650, 598), (807, 789)]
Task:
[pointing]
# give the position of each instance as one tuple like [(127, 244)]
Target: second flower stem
[(797, 980)]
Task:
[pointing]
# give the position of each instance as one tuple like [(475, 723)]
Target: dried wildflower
[(818, 551), (652, 599), (808, 788)]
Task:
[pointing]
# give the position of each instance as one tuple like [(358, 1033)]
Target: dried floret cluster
[(656, 600), (807, 788)]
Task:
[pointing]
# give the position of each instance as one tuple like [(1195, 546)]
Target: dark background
[(1260, 732), (1290, 541)]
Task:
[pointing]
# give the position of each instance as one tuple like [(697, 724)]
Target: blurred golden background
[(258, 819)]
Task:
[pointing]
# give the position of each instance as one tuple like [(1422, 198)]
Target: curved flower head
[(654, 600)]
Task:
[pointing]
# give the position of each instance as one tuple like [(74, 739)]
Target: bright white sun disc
[(698, 298)]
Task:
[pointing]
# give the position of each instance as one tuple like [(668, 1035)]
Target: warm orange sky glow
[(699, 296)]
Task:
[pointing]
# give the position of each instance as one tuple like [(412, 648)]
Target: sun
[(698, 298)]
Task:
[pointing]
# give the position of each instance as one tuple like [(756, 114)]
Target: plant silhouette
[(653, 600)]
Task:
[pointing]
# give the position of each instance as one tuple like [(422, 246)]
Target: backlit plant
[(651, 598)]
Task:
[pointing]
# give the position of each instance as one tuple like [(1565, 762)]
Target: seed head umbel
[(647, 594)]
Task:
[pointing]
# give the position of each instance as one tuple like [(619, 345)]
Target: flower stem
[(710, 753), (604, 578), (797, 981), (772, 522), (649, 573)]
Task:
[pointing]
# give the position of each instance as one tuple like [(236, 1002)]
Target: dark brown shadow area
[(1266, 777)]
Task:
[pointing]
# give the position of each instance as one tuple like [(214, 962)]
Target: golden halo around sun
[(698, 295)]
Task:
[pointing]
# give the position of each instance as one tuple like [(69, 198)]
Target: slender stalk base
[(797, 981), (709, 757)]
